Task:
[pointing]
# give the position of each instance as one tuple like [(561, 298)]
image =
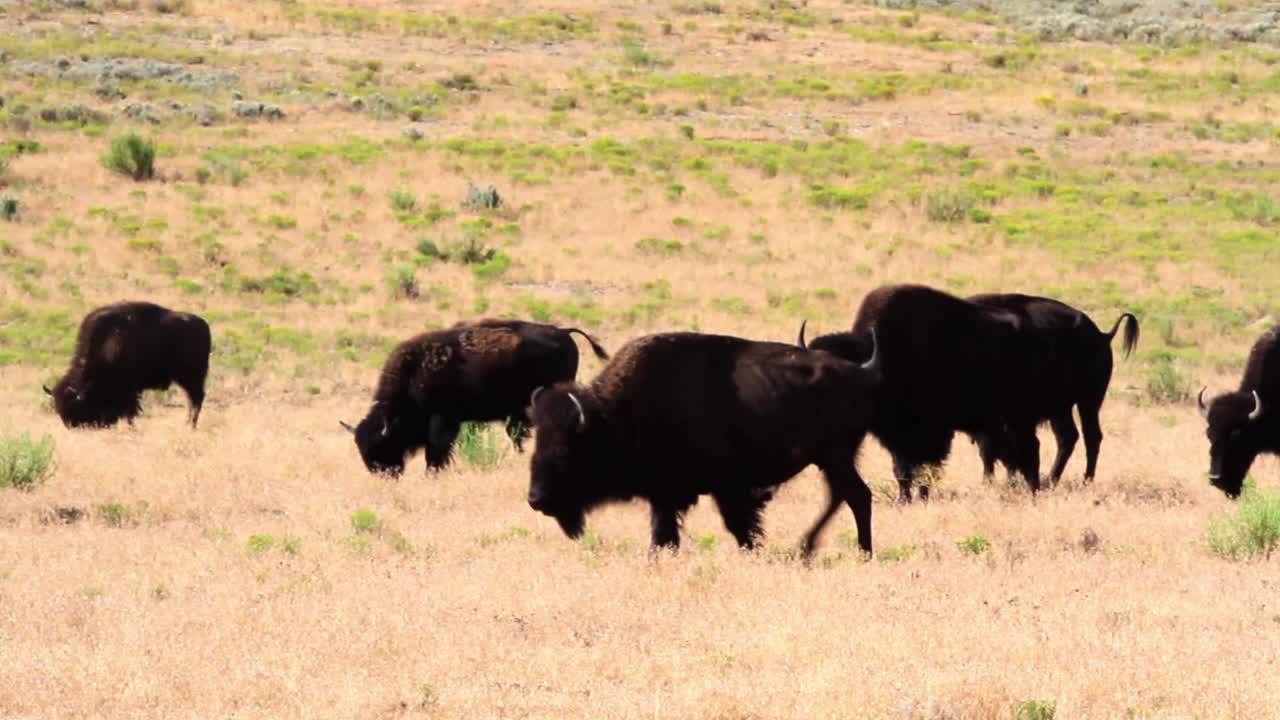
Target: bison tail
[(595, 346), (1130, 332)]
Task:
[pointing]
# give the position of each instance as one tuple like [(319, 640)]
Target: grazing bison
[(949, 365), (1244, 423), (481, 371), (1079, 371), (125, 348), (678, 415)]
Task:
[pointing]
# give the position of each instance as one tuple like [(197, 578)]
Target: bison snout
[(538, 499)]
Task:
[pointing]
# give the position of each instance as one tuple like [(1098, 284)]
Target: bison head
[(566, 455), (381, 440), (76, 405), (1235, 437)]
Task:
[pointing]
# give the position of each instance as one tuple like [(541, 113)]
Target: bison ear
[(47, 391), (1204, 411), (347, 427)]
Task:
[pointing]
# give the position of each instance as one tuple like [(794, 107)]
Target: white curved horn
[(1204, 410), (873, 363), (533, 398), (1257, 407), (347, 427), (582, 416)]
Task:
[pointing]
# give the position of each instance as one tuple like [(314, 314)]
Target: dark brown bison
[(125, 348), (1079, 370), (1243, 424), (675, 416), (480, 371), (950, 365)]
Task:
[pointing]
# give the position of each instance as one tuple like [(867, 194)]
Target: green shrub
[(974, 544), (24, 462), (132, 156), (949, 206), (1035, 710), (1251, 529), (1166, 383), (479, 444), (365, 521), (402, 282), (403, 201), (8, 207)]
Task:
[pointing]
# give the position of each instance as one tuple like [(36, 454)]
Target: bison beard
[(124, 349), (478, 372), (678, 415)]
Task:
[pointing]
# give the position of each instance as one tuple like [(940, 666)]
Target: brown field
[(253, 569)]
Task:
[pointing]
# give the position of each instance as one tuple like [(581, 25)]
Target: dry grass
[(162, 572)]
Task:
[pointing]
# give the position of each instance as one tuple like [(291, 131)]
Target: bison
[(125, 348), (480, 371), (1243, 423), (949, 365), (1079, 371), (675, 416)]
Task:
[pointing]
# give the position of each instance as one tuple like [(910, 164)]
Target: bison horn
[(800, 342), (347, 427), (47, 391), (582, 416), (873, 363), (1204, 410), (533, 398), (1257, 407), (386, 427)]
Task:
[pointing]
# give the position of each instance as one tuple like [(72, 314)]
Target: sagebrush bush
[(8, 207), (402, 282), (132, 156), (24, 462), (1166, 383), (479, 445), (1252, 529), (949, 205)]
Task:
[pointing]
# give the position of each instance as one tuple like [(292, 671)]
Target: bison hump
[(436, 357), (488, 340)]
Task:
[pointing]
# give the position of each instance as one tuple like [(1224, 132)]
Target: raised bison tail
[(595, 346), (1130, 332)]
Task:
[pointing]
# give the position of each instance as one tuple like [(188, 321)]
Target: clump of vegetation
[(1166, 383), (481, 199), (403, 201), (1252, 529), (402, 281), (133, 156), (479, 445), (949, 206), (25, 462), (1035, 710), (9, 207), (974, 544), (366, 521)]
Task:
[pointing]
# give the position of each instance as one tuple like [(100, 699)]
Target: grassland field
[(730, 166)]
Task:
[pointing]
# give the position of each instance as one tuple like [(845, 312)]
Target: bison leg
[(905, 472), (1027, 447), (664, 524), (441, 432), (1066, 435), (740, 511), (1092, 439), (518, 431), (986, 451), (843, 483)]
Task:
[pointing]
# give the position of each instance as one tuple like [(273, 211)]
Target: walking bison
[(1243, 424), (949, 365), (126, 348), (675, 416), (480, 371), (1079, 363)]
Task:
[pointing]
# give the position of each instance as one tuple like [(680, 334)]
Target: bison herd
[(678, 415)]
